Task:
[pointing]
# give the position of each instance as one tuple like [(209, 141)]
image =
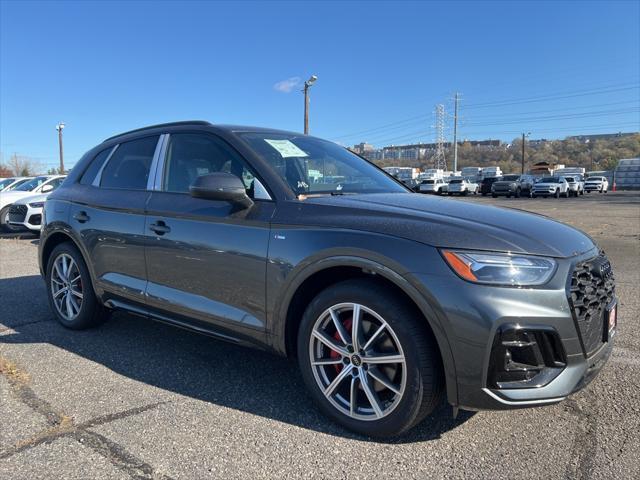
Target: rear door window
[(129, 165)]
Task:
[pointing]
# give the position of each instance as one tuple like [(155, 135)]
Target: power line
[(558, 117), (399, 124), (557, 96)]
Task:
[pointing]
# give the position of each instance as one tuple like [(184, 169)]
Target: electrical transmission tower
[(439, 160)]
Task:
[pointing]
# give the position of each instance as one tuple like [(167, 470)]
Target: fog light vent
[(525, 357)]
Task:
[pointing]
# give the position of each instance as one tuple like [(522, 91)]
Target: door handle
[(160, 228), (81, 217)]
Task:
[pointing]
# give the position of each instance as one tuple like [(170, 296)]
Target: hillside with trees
[(601, 154)]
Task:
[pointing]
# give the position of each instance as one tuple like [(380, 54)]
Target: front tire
[(70, 291), (5, 226), (369, 359), (557, 193)]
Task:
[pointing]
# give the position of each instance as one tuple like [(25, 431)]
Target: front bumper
[(26, 217), (472, 315)]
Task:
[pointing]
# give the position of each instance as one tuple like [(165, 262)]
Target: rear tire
[(417, 380), (70, 291), (518, 192), (557, 193)]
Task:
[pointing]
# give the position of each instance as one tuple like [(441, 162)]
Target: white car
[(551, 186), (8, 184), (41, 184), (27, 212), (596, 184), (433, 185), (462, 186), (576, 185)]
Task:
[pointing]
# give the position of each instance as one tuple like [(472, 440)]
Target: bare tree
[(23, 166)]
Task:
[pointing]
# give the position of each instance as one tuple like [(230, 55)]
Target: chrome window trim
[(158, 160), (156, 185), (96, 181)]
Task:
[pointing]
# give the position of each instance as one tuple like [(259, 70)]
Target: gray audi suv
[(388, 300)]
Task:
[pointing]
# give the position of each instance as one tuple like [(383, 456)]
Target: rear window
[(129, 165), (428, 182), (455, 181), (90, 173), (550, 180), (569, 179)]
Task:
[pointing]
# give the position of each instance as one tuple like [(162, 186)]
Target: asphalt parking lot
[(138, 399)]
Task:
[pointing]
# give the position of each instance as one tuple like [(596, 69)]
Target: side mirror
[(221, 186), (46, 188)]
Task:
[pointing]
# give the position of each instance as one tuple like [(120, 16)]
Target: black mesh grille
[(592, 290), (17, 213)]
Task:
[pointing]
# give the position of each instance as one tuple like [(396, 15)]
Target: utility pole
[(455, 134), (59, 128), (307, 85), (524, 135)]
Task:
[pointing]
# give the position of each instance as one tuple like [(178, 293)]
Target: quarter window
[(129, 165), (94, 167), (190, 155)]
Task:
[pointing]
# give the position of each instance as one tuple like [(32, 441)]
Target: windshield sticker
[(286, 148)]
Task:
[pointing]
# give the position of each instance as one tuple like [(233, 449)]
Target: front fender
[(394, 264)]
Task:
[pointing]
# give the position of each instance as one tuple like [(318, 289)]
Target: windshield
[(313, 166), (569, 179), (511, 178), (32, 184), (6, 182), (550, 180), (595, 179)]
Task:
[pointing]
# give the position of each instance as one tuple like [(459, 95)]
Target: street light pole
[(59, 128), (307, 85)]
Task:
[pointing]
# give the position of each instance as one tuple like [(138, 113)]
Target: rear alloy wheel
[(367, 360), (70, 292)]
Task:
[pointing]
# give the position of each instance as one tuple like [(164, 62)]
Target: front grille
[(17, 213), (592, 290)]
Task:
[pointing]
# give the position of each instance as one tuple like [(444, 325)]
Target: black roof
[(232, 128), (160, 125)]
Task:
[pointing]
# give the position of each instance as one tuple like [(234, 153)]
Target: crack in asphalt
[(585, 442), (62, 425)]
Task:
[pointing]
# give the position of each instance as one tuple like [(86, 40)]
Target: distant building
[(362, 148), (600, 136)]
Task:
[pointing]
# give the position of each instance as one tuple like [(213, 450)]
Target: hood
[(40, 197), (7, 198), (442, 222)]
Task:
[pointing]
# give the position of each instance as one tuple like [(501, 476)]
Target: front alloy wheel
[(357, 361), (369, 358)]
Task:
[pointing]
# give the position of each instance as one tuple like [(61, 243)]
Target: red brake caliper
[(333, 354)]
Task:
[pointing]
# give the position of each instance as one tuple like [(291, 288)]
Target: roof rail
[(170, 124)]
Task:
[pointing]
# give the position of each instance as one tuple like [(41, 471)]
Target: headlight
[(36, 204), (500, 268)]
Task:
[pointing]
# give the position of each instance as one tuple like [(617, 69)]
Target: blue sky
[(550, 68)]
